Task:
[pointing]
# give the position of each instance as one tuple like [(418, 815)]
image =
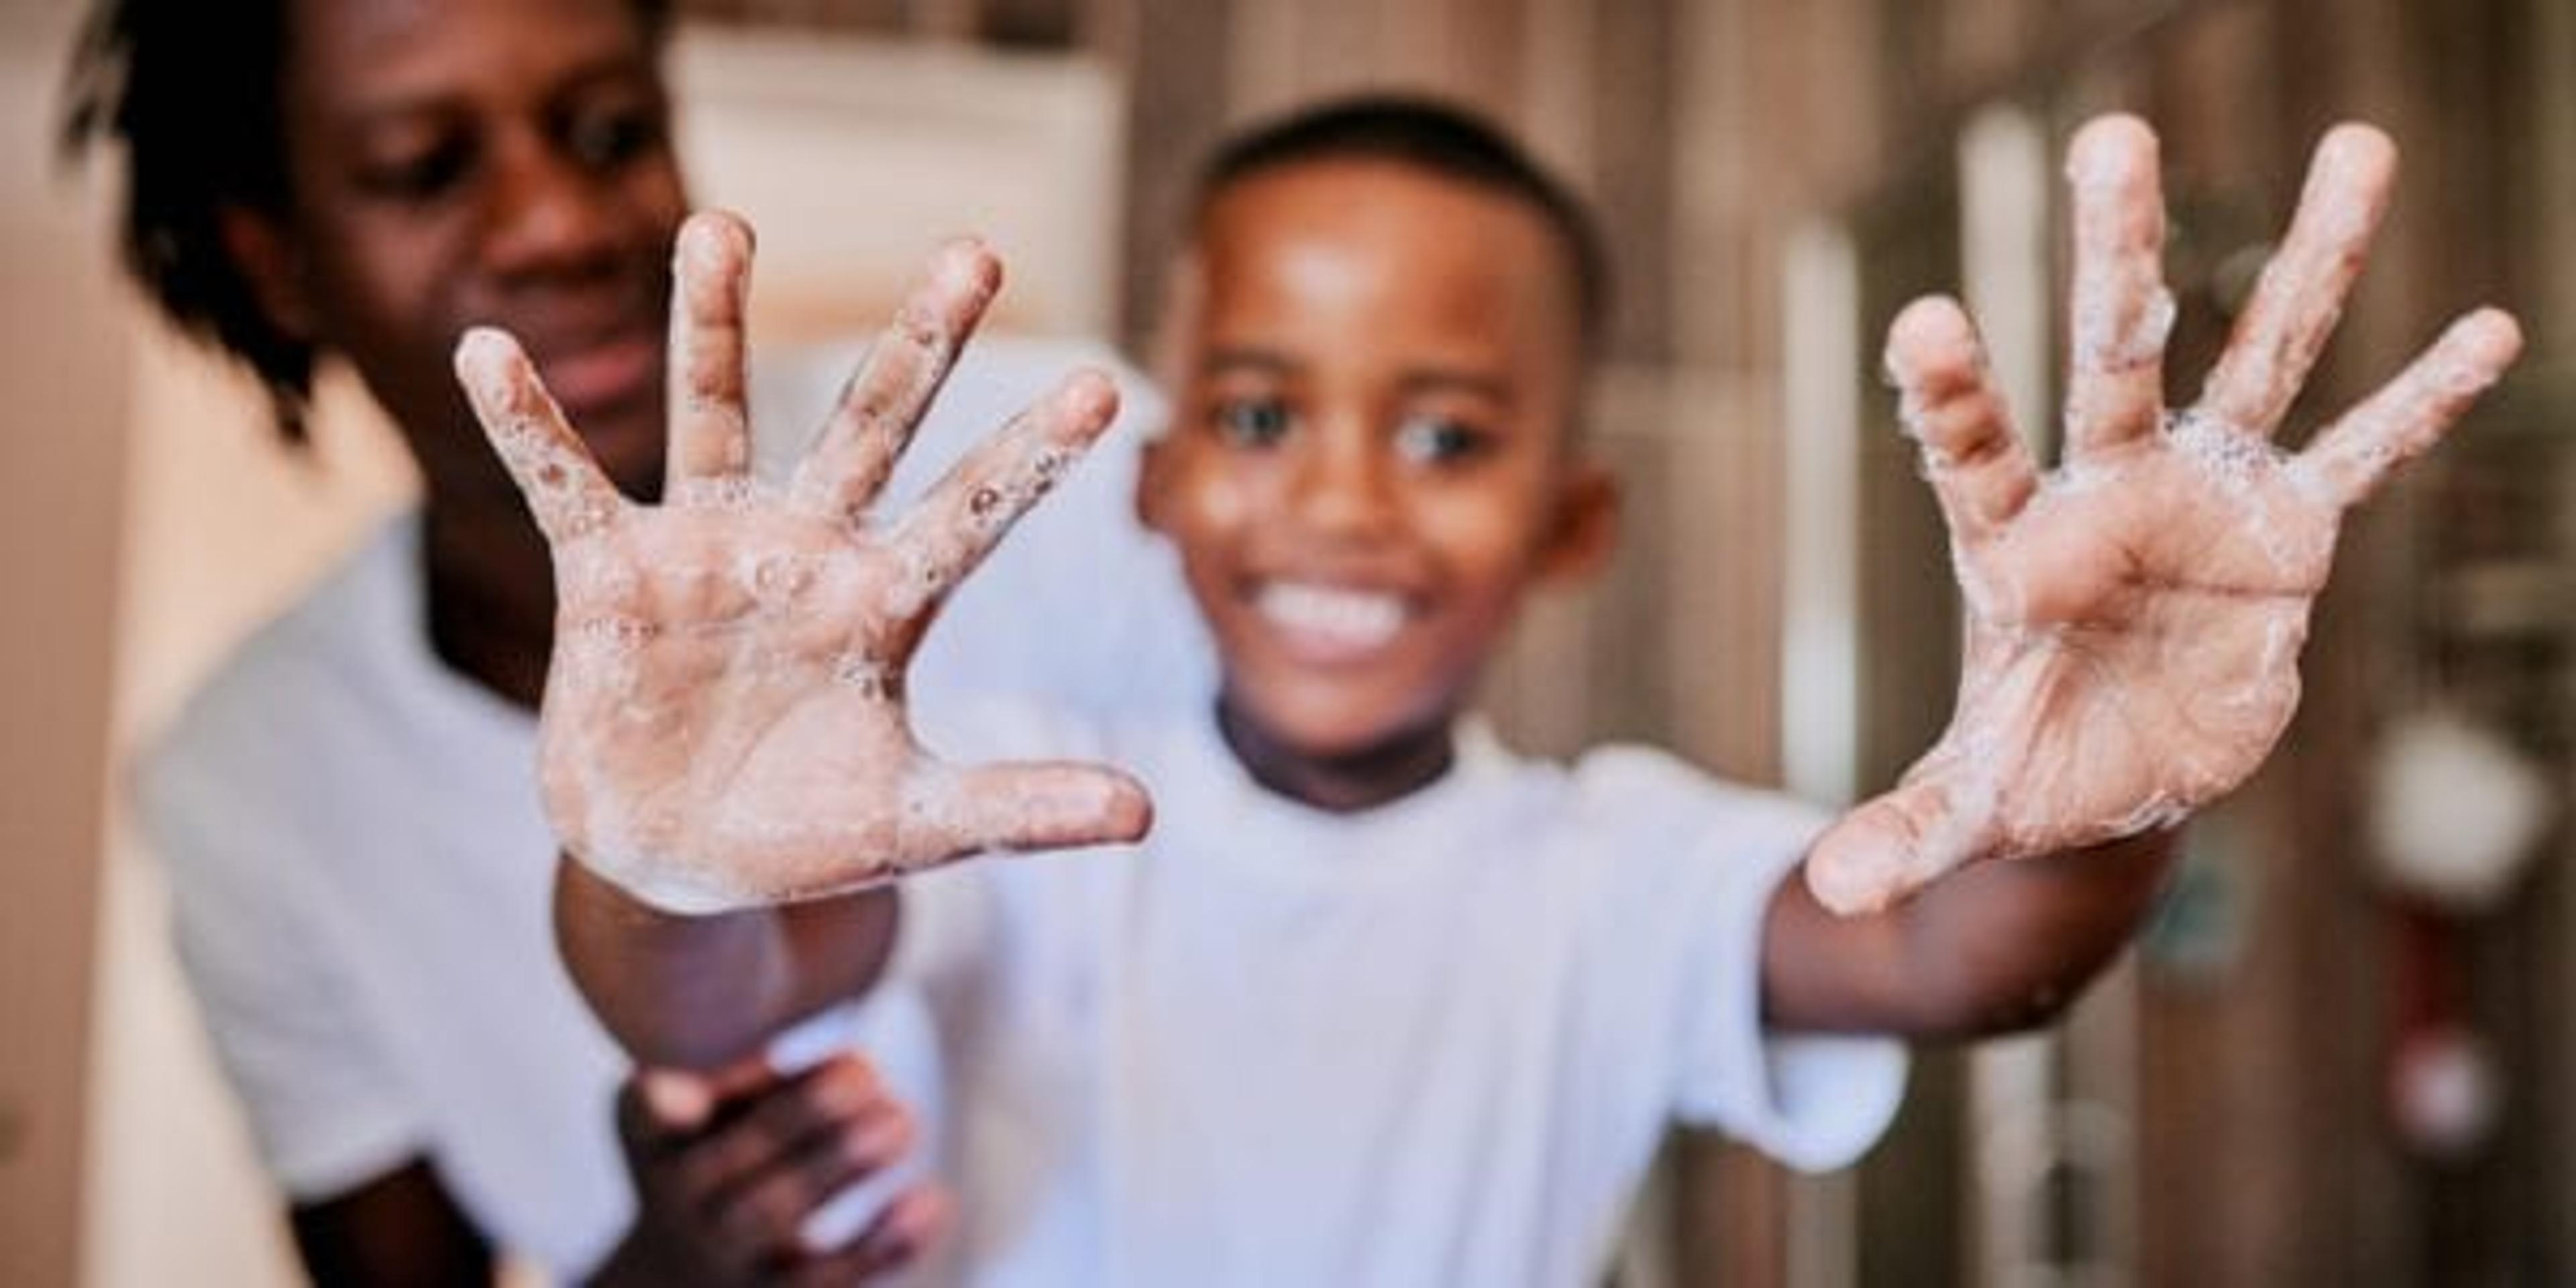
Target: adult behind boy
[(1377, 1002), (358, 867)]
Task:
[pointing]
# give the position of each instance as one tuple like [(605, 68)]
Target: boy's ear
[(1151, 471), (1183, 287), (1585, 528), (261, 250)]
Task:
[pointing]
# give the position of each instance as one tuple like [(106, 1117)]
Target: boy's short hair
[(191, 88), (1439, 139)]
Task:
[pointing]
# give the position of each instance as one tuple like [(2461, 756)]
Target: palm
[(2134, 620), (2155, 657), (713, 692), (724, 720)]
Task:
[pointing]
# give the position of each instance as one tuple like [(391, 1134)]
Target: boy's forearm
[(1993, 948), (697, 992), (2011, 945)]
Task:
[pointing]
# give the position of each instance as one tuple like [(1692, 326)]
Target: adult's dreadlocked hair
[(191, 90)]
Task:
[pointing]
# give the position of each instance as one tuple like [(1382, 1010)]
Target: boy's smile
[(1325, 624), (1369, 459)]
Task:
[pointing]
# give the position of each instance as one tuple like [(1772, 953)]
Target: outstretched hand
[(2135, 618), (724, 720)]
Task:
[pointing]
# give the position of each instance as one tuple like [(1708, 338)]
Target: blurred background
[(2344, 1053)]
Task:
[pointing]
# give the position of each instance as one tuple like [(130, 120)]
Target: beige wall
[(221, 528), (60, 457)]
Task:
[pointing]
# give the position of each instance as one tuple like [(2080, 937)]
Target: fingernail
[(968, 267), (483, 351), (676, 1099)]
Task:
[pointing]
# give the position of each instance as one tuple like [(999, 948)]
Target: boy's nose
[(1342, 488)]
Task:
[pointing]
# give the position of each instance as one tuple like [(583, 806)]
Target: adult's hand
[(732, 1168)]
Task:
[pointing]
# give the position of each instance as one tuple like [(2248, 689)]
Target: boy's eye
[(1433, 440), (1251, 422)]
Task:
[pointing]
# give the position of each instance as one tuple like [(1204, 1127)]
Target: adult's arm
[(401, 1229)]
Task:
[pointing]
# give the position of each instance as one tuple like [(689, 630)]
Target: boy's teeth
[(1354, 618)]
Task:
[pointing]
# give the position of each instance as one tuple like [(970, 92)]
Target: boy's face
[(478, 161), (1375, 372)]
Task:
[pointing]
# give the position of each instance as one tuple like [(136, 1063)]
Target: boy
[(1376, 1002)]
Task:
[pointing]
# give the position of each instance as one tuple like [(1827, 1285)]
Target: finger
[(2351, 457), (966, 514), (778, 1123), (661, 1112), (2122, 311), (673, 1103), (1028, 806), (1891, 846), (668, 1110), (710, 423), (769, 1210), (2301, 292), (563, 486), (1977, 465), (910, 1225), (640, 1125), (685, 1100), (903, 370)]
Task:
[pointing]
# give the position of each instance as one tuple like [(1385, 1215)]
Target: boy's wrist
[(659, 890)]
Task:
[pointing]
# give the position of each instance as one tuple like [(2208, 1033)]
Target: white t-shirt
[(1432, 1043), (361, 871)]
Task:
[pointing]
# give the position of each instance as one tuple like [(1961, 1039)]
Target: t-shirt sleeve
[(328, 1110), (1701, 864)]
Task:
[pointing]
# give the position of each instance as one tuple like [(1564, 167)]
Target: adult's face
[(461, 162)]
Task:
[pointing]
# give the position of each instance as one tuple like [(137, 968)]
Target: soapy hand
[(2134, 619), (724, 722)]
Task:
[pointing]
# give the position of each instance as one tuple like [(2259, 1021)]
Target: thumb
[(1030, 806), (685, 1099), (1883, 851), (677, 1101)]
